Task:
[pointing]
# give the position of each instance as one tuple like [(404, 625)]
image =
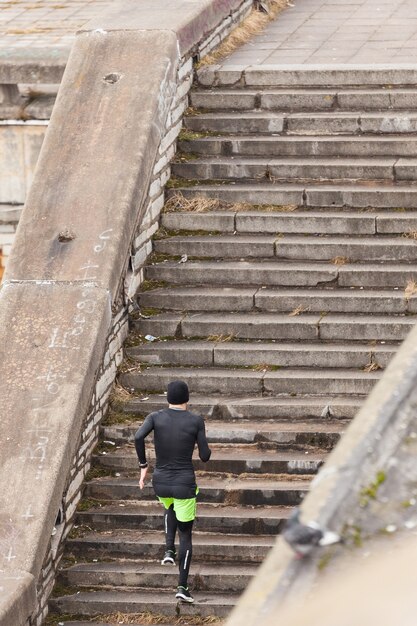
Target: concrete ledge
[(190, 20), (95, 172), (37, 65), (367, 445), (18, 597), (117, 115), (52, 339)]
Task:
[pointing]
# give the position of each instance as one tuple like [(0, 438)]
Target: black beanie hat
[(178, 392)]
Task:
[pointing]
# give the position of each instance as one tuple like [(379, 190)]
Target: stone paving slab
[(307, 32), (26, 26), (336, 31)]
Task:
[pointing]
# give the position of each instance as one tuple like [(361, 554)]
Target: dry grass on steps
[(251, 26), (153, 618), (201, 204)]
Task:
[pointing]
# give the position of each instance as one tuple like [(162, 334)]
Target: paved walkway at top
[(336, 31), (45, 23), (310, 31)]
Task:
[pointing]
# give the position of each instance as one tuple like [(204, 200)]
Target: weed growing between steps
[(412, 234), (88, 503), (148, 285), (99, 472), (410, 289), (185, 157), (176, 183), (164, 233), (298, 310), (251, 26), (54, 620)]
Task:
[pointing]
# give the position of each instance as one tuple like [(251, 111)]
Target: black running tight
[(185, 538)]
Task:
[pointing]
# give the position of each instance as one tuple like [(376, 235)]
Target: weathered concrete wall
[(9, 219), (369, 445), (20, 145), (89, 216)]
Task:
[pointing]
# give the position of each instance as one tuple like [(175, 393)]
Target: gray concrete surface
[(336, 31), (40, 24)]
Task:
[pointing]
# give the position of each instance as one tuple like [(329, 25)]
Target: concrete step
[(309, 75), (338, 300), (220, 246), (232, 459), (240, 382), (216, 518), (404, 145), (305, 326), (138, 601), (289, 354), (309, 99), (214, 577), (251, 407), (374, 194), (277, 300), (222, 490), (321, 434), (297, 221), (234, 273), (144, 544), (282, 274), (293, 247), (97, 623), (311, 123), (199, 298), (296, 169)]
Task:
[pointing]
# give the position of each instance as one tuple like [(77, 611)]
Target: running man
[(176, 431)]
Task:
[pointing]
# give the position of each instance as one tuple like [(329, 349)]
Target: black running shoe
[(184, 595), (169, 558)]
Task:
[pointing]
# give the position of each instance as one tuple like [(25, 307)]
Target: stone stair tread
[(232, 452), (283, 318), (381, 274), (174, 373), (296, 380), (146, 566), (96, 623), (306, 239), (255, 407), (300, 219), (278, 265), (391, 139), (272, 425), (211, 482), (185, 345), (142, 596), (308, 247), (250, 90), (138, 536), (144, 507), (260, 113), (358, 186), (281, 299), (302, 160)]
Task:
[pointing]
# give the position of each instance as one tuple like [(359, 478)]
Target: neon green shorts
[(185, 510)]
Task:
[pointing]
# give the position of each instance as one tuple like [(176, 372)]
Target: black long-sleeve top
[(176, 432)]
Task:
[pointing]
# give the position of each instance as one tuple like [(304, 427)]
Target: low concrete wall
[(20, 145), (80, 247), (371, 441)]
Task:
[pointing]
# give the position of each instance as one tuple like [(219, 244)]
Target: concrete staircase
[(281, 284)]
